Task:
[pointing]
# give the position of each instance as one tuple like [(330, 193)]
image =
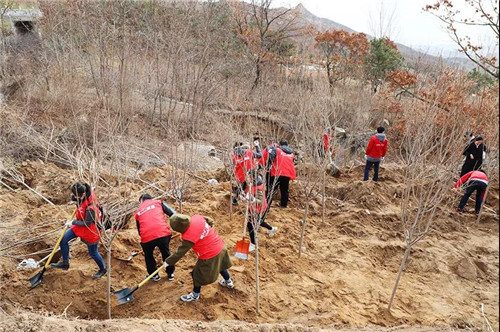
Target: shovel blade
[(124, 295), (242, 249), (36, 279)]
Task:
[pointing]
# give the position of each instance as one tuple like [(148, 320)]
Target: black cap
[(145, 197), (380, 130), (284, 142), (479, 138)]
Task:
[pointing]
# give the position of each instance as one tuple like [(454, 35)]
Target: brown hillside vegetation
[(344, 277)]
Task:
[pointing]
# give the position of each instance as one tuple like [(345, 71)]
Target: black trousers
[(163, 243), (272, 185), (480, 188), (470, 165), (252, 219)]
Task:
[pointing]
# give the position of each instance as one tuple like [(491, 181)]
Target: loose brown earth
[(344, 277)]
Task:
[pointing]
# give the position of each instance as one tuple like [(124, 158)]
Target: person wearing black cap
[(474, 154), (375, 153), (88, 213), (154, 232)]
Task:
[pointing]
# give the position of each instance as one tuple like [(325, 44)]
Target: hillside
[(411, 55), (344, 277)]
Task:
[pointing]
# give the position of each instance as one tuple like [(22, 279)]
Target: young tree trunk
[(304, 221), (257, 286), (323, 200), (108, 282), (401, 268)]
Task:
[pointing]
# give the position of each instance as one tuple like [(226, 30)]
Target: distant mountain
[(411, 55)]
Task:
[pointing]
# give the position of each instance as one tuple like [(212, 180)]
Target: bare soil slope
[(345, 275)]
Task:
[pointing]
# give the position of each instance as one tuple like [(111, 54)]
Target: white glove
[(256, 143), (366, 157), (69, 223), (382, 159), (165, 264)]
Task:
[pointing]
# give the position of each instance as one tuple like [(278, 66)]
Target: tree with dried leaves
[(484, 16), (344, 53)]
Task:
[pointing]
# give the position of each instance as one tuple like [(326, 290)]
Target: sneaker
[(251, 247), (99, 274), (459, 211), (273, 231), (156, 277), (171, 277), (61, 265), (191, 297), (226, 283)]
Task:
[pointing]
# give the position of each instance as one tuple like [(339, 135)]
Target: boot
[(99, 274), (61, 265)]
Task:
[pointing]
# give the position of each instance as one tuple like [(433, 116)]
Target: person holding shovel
[(154, 232), (88, 213), (375, 153), (213, 258), (257, 206)]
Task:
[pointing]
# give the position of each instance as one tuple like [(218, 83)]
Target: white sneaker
[(191, 297), (251, 247), (226, 283), (273, 231)]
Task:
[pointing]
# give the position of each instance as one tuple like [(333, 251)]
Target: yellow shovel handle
[(58, 241), (149, 277)]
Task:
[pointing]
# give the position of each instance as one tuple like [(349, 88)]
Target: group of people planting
[(259, 173)]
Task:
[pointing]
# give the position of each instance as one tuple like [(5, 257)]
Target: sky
[(410, 26)]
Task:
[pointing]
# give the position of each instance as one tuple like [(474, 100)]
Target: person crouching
[(213, 258)]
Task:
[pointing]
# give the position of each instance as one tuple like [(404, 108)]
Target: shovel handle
[(58, 241), (149, 277)]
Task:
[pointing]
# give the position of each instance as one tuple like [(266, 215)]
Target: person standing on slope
[(279, 161), (88, 214), (257, 206), (474, 154), (154, 232), (243, 159), (473, 181), (375, 153), (213, 258)]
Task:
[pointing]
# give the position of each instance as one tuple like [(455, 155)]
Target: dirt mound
[(345, 275)]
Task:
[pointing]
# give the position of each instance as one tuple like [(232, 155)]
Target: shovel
[(242, 246), (37, 278), (125, 295)]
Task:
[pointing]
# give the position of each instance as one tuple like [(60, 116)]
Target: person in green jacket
[(213, 258)]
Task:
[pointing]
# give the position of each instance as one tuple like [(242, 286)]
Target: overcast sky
[(410, 26)]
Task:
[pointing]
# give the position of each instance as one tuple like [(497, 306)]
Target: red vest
[(89, 234), (283, 165), (242, 164), (254, 207), (325, 142), (207, 243), (151, 219)]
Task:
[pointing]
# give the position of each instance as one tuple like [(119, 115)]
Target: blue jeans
[(68, 236), (368, 166)]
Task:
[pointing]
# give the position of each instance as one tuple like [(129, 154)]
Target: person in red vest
[(473, 181), (243, 160), (154, 232), (213, 258), (257, 206), (279, 161), (375, 153), (88, 214)]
